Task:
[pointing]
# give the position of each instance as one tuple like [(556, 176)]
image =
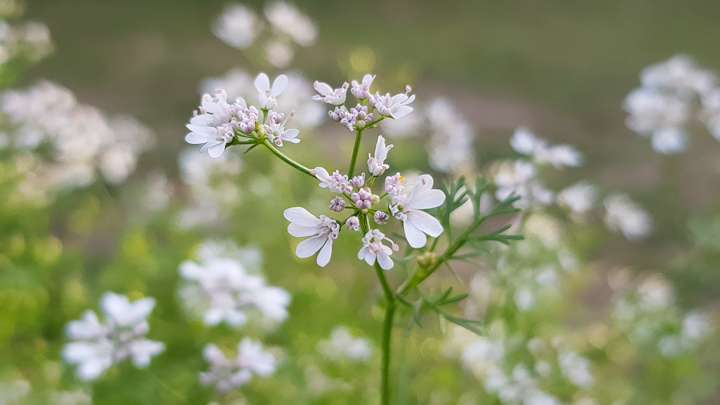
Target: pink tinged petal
[(415, 237), (215, 151), (385, 261), (279, 85), (425, 223), (201, 120), (426, 199), (262, 83), (310, 246), (323, 257), (301, 216), (202, 130)]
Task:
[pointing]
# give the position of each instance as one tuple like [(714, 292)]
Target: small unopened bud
[(353, 223), (337, 204), (427, 259), (358, 181), (381, 217)]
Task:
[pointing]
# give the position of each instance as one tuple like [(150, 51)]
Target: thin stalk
[(285, 158), (356, 149), (387, 324)]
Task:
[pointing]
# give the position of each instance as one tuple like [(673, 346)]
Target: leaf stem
[(285, 158)]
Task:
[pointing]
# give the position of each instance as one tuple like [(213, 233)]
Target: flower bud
[(381, 217), (337, 204), (353, 223), (427, 259)]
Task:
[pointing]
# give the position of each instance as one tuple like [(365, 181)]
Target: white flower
[(579, 198), (361, 90), (624, 215), (226, 374), (669, 141), (376, 163), (559, 156), (320, 233), (341, 345), (678, 74), (276, 131), (211, 126), (451, 142), (286, 18), (237, 26), (328, 95), (223, 290), (96, 346), (335, 182), (520, 178), (279, 53), (408, 206), (267, 95), (374, 249), (396, 106)]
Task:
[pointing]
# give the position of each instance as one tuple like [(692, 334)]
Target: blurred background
[(615, 303)]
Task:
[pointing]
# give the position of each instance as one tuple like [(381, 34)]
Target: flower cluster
[(284, 25), (674, 94), (342, 345), (625, 216), (219, 123), (81, 138), (369, 109), (228, 373), (30, 41), (403, 200), (223, 286), (295, 101), (96, 346)]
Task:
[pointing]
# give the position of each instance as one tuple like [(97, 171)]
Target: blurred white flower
[(520, 178), (576, 368), (228, 373), (320, 234), (221, 289), (279, 53), (527, 143), (237, 26), (625, 216), (96, 346), (342, 345), (287, 19), (578, 198), (679, 74), (451, 138)]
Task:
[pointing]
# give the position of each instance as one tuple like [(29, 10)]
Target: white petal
[(414, 236), (262, 83), (426, 199), (385, 261), (301, 216), (323, 257), (279, 85), (323, 88), (195, 139), (300, 231), (425, 223), (401, 111), (310, 246), (216, 150)]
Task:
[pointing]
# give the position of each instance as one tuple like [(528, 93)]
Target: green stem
[(387, 324), (356, 149), (285, 158)]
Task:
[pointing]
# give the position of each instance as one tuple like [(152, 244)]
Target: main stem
[(386, 337), (356, 149)]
